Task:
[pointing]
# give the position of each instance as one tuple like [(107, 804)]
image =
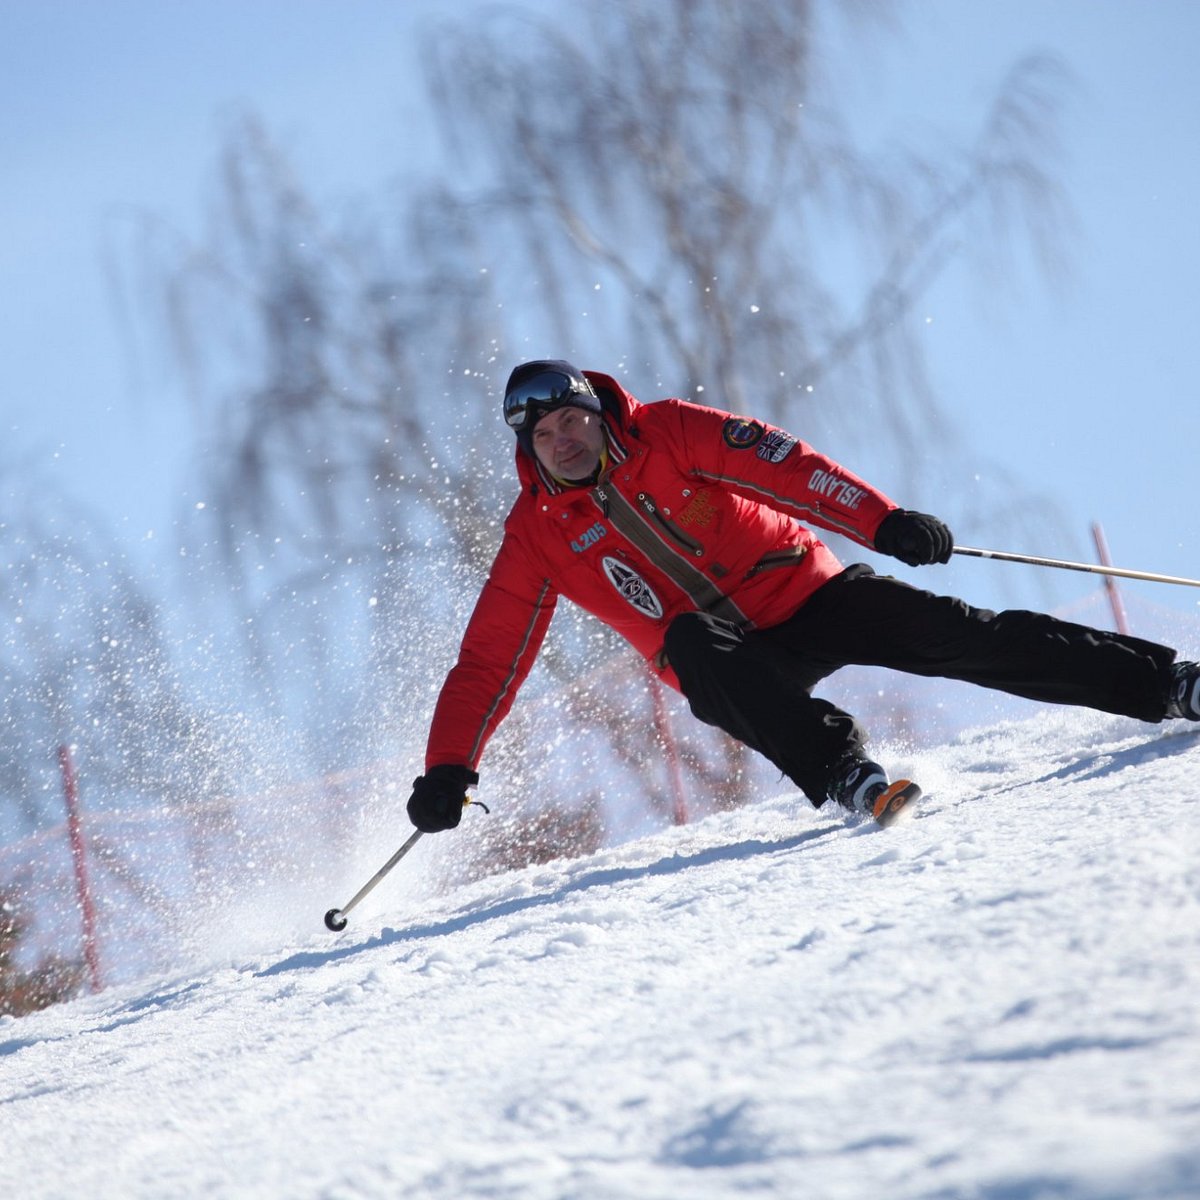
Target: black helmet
[(538, 387)]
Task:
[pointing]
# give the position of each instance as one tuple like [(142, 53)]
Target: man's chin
[(577, 470)]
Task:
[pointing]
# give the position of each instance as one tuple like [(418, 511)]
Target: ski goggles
[(541, 393)]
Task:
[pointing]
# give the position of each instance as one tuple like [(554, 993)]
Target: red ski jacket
[(696, 510)]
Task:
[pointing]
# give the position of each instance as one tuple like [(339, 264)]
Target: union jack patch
[(776, 446)]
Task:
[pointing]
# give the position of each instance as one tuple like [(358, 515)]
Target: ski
[(895, 799)]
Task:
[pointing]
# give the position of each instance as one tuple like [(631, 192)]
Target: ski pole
[(1092, 568), (335, 918)]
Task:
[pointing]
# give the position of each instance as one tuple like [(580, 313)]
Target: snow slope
[(999, 998)]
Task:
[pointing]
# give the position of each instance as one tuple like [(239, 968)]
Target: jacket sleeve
[(768, 465), (498, 649)]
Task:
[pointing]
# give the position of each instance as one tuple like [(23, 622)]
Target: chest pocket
[(667, 528)]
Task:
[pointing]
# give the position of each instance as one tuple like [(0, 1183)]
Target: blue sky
[(1089, 393)]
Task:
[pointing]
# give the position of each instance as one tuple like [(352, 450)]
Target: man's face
[(568, 442)]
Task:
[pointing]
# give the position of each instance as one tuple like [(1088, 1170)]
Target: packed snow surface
[(998, 998)]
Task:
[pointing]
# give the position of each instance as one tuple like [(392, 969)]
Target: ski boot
[(862, 786), (1183, 692)]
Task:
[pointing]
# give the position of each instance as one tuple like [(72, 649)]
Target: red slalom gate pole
[(82, 882), (662, 726), (1110, 584)]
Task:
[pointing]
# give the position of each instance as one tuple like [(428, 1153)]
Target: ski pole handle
[(1091, 568)]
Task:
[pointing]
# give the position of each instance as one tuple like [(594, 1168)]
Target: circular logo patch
[(740, 433)]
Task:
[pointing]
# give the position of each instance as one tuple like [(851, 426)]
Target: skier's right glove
[(914, 538), (438, 797)]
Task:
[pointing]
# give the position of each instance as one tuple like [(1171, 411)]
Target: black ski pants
[(757, 685)]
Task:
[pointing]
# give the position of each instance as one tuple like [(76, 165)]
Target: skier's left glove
[(438, 797), (914, 538)]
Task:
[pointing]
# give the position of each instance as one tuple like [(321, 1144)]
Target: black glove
[(914, 538), (438, 795)]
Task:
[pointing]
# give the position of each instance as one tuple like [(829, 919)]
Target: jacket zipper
[(668, 556), (781, 558)]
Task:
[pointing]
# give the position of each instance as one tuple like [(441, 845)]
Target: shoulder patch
[(776, 446), (739, 433)]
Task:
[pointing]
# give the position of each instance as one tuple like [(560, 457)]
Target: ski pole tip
[(335, 921)]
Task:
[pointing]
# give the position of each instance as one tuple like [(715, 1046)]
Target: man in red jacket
[(686, 530)]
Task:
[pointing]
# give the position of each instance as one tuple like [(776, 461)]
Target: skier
[(680, 527)]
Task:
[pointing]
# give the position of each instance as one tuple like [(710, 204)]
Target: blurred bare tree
[(686, 169), (84, 663), (662, 189)]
